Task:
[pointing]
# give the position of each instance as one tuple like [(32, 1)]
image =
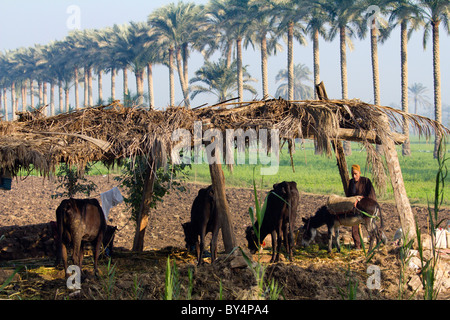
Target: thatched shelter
[(113, 132)]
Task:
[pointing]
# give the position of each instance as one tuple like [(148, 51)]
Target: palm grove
[(44, 74)]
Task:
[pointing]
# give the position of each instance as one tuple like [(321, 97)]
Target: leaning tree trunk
[(401, 198), (142, 218), (291, 61), (240, 77), (406, 148), (437, 85), (344, 85)]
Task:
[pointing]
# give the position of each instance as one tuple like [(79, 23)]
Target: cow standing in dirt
[(279, 218), (204, 219), (79, 221)]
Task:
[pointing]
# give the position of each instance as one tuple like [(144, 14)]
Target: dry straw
[(113, 132)]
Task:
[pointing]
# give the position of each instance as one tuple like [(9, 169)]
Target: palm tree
[(217, 16), (435, 12), (263, 33), (301, 77), (379, 32), (178, 24), (346, 19), (418, 91), (292, 14), (219, 79), (407, 14), (316, 19)]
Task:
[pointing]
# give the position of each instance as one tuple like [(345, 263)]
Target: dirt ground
[(312, 275)]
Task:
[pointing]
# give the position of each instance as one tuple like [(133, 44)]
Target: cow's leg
[(64, 256), (274, 245), (97, 248), (336, 236), (330, 238), (287, 242), (76, 252), (213, 248), (279, 242)]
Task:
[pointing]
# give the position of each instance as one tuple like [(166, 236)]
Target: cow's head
[(189, 237), (309, 233), (252, 240)]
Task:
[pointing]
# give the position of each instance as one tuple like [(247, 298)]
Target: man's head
[(356, 172)]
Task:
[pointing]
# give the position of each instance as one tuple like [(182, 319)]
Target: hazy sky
[(24, 23)]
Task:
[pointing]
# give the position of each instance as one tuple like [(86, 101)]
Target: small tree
[(72, 181)]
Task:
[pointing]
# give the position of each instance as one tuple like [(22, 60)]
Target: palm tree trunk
[(229, 52), (151, 97), (52, 98), (264, 73), (291, 61), (100, 86), (375, 69), (91, 93), (23, 95), (183, 84), (61, 102), (31, 93), (140, 86), (77, 92), (44, 92), (86, 92), (316, 60), (171, 79), (5, 103), (125, 84), (185, 53), (406, 148), (343, 63), (343, 52), (13, 100), (40, 92), (113, 84), (66, 91), (437, 85), (240, 77)]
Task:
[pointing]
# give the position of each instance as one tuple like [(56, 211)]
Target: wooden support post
[(142, 218), (218, 183), (342, 164), (401, 199)]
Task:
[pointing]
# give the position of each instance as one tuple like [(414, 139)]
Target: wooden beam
[(401, 198)]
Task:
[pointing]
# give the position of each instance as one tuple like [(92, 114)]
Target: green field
[(319, 174)]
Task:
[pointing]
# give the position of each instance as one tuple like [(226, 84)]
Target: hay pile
[(113, 132)]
